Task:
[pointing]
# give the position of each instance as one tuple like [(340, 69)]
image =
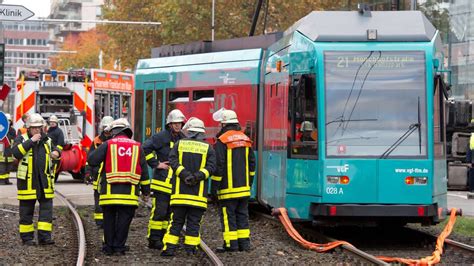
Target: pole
[(212, 23), (255, 17)]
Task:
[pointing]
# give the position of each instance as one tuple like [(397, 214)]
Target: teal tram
[(346, 112)]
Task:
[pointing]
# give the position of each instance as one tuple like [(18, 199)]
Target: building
[(26, 45), (72, 10)]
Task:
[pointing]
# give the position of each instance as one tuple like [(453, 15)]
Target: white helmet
[(54, 119), (186, 126), (118, 126), (196, 125), (35, 120), (175, 116), (306, 126), (105, 122), (9, 117), (229, 117)]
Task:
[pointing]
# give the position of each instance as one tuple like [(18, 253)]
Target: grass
[(463, 226)]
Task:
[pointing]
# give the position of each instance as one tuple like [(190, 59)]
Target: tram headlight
[(416, 180), (343, 180)]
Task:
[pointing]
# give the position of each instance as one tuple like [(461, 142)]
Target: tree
[(87, 46)]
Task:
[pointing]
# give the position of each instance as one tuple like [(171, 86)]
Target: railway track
[(211, 255), (81, 253)]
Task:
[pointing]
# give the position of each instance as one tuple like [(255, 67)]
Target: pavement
[(82, 194)]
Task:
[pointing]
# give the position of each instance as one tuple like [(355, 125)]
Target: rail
[(210, 254), (80, 229)]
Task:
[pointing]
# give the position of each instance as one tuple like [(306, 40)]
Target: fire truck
[(79, 98)]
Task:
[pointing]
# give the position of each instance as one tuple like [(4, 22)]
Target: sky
[(39, 7)]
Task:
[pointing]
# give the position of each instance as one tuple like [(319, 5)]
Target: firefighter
[(55, 133), (124, 176), (160, 145), (6, 160), (92, 174), (192, 161), (35, 150), (232, 182), (23, 130)]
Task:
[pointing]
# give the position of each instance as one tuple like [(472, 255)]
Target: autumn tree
[(86, 47)]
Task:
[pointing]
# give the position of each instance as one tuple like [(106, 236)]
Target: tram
[(346, 112)]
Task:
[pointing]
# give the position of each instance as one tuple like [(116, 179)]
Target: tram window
[(203, 96), (101, 75), (126, 77), (302, 118), (114, 76), (179, 96)]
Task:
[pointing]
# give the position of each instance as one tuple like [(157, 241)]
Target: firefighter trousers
[(159, 218), (45, 220), (98, 213), (234, 216), (5, 168), (117, 220), (179, 216)]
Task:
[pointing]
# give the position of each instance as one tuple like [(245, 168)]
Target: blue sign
[(3, 125)]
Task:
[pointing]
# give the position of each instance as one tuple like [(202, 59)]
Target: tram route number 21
[(334, 191)]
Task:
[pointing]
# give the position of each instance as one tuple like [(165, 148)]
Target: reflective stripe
[(216, 178), (234, 195), (243, 233), (21, 149), (252, 173), (59, 147), (149, 156), (98, 216), (247, 166), (4, 176), (180, 168), (188, 203), (26, 228), (192, 240), (190, 197), (156, 225), (159, 185), (204, 170), (119, 196), (44, 226), (118, 202), (233, 190), (229, 168), (172, 239), (145, 182)]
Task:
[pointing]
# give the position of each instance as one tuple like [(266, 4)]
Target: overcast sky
[(39, 7)]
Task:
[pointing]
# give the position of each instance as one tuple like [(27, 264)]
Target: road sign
[(3, 125), (14, 13)]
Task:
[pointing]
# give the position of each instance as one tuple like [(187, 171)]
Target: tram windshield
[(375, 104)]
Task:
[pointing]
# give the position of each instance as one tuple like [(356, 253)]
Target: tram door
[(303, 164), (153, 109)]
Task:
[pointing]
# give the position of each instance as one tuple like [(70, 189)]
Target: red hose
[(71, 160)]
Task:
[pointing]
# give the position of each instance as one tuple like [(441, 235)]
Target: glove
[(191, 180), (87, 178)]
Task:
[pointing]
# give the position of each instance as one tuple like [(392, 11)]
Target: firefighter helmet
[(105, 122), (186, 126), (229, 117), (9, 117), (35, 120), (54, 119), (118, 126), (175, 116), (196, 125), (306, 126)]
